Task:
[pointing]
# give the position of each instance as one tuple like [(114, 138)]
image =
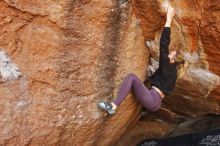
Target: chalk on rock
[(153, 66), (8, 70), (192, 58), (149, 44)]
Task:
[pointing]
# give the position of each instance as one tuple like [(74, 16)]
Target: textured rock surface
[(71, 54), (75, 53), (195, 31), (149, 128)]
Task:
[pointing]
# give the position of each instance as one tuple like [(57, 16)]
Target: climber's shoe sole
[(106, 106)]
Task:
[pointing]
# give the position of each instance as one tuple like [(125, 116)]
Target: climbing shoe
[(107, 107)]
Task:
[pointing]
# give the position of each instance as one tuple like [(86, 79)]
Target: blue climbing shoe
[(106, 106)]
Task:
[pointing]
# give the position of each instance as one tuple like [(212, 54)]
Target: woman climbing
[(163, 80)]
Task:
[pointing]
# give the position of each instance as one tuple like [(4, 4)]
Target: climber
[(163, 80)]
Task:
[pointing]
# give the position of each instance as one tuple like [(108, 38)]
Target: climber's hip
[(159, 91), (152, 100)]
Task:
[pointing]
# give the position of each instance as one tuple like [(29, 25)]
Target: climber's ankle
[(114, 106)]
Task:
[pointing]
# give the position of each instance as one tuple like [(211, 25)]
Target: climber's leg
[(125, 88), (150, 99), (123, 92)]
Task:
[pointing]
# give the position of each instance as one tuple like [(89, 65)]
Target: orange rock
[(195, 31), (75, 53), (72, 55)]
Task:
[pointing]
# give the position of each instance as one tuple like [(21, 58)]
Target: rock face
[(195, 31), (72, 54)]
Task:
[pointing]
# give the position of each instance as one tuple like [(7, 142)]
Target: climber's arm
[(165, 41), (165, 36)]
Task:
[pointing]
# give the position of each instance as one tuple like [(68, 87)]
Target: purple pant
[(150, 99)]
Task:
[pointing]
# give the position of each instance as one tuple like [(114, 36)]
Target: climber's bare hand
[(170, 12)]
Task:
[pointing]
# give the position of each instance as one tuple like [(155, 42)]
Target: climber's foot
[(106, 106)]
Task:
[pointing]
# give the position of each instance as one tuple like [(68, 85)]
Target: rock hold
[(8, 70)]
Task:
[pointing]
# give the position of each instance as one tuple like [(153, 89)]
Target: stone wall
[(71, 54), (74, 53), (195, 31)]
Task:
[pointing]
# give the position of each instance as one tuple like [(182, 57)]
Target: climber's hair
[(179, 63), (178, 59)]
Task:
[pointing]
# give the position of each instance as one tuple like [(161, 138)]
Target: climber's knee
[(131, 75)]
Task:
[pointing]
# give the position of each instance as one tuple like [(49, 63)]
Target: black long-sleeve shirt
[(166, 75)]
